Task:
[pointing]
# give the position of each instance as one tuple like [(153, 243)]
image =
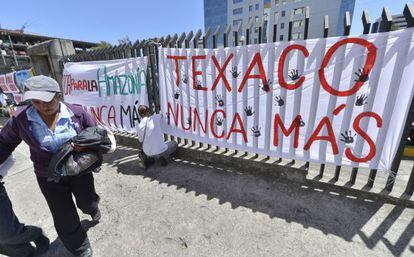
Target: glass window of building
[(277, 2), (255, 41), (256, 30), (282, 25), (298, 10), (250, 8), (256, 19), (256, 7), (283, 13), (237, 11), (297, 24), (283, 1), (237, 1), (236, 22), (281, 37)]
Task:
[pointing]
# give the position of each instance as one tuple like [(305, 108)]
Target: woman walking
[(45, 126)]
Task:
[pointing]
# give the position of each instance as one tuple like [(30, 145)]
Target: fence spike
[(173, 40), (326, 26), (409, 15), (290, 26), (197, 38), (188, 39), (347, 23), (366, 22), (275, 27), (307, 15), (181, 39), (167, 40)]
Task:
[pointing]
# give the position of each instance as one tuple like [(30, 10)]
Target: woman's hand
[(78, 148)]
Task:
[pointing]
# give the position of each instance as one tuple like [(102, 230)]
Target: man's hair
[(142, 110)]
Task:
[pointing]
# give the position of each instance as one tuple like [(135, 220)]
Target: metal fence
[(232, 38)]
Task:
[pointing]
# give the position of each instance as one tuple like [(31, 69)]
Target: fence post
[(173, 40), (347, 30), (196, 38), (290, 27), (325, 35), (274, 37), (226, 34), (236, 34), (206, 36), (307, 14), (248, 32), (261, 26), (215, 36), (408, 14)]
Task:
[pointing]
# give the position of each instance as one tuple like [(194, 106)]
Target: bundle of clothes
[(68, 162)]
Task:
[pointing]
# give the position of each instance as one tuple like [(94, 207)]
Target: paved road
[(189, 210)]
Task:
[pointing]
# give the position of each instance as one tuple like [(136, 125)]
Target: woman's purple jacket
[(18, 128)]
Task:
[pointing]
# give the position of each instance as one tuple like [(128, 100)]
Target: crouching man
[(150, 134)]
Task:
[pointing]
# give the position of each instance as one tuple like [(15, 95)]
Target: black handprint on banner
[(249, 111), (185, 79), (177, 94), (234, 72), (361, 100), (347, 137), (256, 131), (266, 86), (362, 76), (300, 122), (219, 121), (199, 84), (219, 100), (294, 75), (279, 100)]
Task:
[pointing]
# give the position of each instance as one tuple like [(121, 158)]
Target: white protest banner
[(110, 91), (340, 100)]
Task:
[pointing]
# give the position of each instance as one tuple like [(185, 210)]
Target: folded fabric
[(67, 162)]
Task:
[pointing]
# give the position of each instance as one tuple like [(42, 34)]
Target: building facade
[(267, 12)]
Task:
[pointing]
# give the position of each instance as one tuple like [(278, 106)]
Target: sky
[(92, 20)]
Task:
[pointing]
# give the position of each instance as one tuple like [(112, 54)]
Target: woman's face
[(47, 108)]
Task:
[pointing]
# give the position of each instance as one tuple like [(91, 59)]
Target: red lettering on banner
[(197, 117), (176, 59), (188, 121), (282, 59), (174, 113), (257, 60), (369, 64), (294, 126), (196, 72), (240, 130), (221, 72), (357, 128), (212, 122), (330, 138), (98, 115)]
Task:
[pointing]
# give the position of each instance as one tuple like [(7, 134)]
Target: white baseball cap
[(41, 88)]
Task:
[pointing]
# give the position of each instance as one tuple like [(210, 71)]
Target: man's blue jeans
[(14, 238)]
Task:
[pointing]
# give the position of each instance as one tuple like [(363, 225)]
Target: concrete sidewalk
[(186, 209)]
